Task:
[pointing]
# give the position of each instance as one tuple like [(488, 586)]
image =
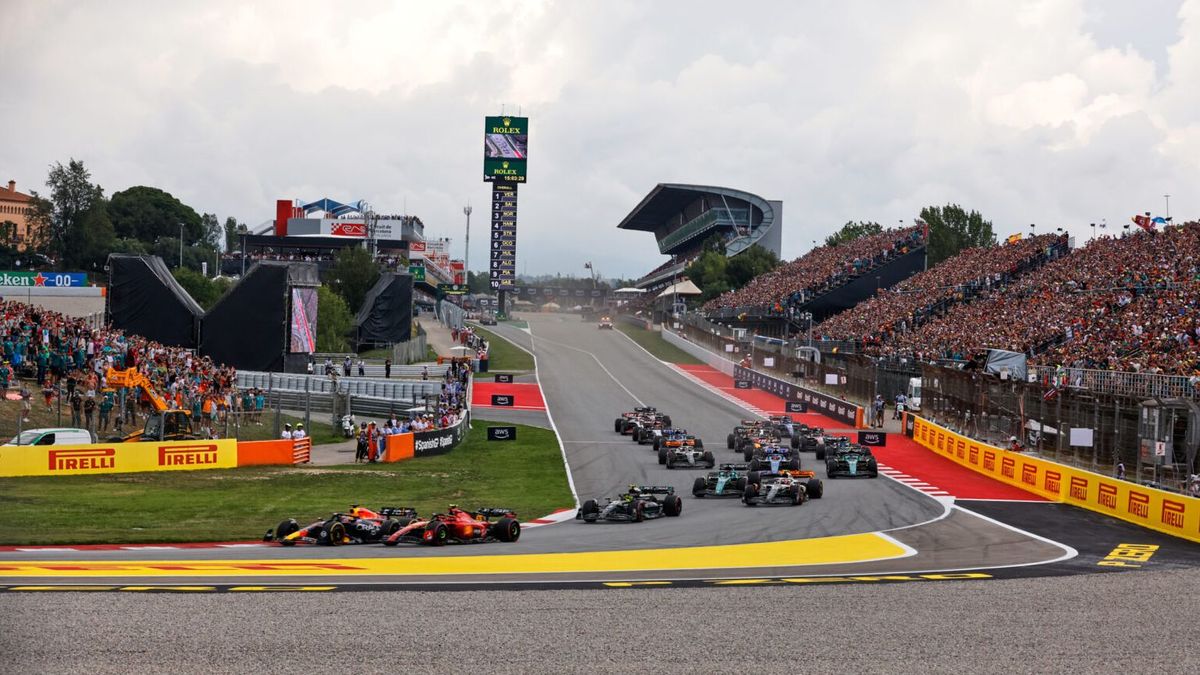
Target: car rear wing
[(794, 473), (646, 409), (398, 511), (656, 489), (735, 467), (495, 512)]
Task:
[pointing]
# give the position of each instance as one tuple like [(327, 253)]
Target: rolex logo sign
[(507, 121)]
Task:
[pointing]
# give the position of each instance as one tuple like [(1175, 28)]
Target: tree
[(61, 217), (8, 233), (147, 214), (478, 282), (93, 241), (851, 231), (212, 231), (952, 229), (232, 230), (715, 274), (206, 292), (353, 274), (333, 321)]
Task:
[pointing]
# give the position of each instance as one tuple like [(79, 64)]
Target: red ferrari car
[(459, 527)]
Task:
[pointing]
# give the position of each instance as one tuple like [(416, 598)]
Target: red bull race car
[(358, 526)]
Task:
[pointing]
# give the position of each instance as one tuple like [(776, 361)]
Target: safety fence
[(1141, 385), (1148, 507)]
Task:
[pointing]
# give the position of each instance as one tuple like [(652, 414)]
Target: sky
[(1058, 113)]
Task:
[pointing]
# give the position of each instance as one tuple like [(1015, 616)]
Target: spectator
[(287, 432), (89, 411)]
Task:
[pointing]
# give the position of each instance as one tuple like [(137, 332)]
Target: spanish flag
[(1014, 238)]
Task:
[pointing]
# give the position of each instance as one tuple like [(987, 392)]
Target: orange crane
[(165, 423)]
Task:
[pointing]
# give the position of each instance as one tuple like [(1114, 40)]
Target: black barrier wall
[(830, 406), (440, 441), (248, 327), (144, 299), (386, 314)]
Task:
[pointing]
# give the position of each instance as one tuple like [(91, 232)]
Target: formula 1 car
[(851, 460), (808, 438), (742, 430), (729, 481), (755, 446), (641, 502), (359, 526), (649, 431), (684, 450), (628, 422), (792, 488), (605, 323), (773, 458), (784, 426), (830, 445), (458, 527)]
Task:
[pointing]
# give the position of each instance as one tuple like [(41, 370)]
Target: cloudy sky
[(1054, 112)]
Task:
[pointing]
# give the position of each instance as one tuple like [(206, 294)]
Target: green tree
[(213, 234), (353, 274), (8, 233), (334, 321), (748, 264), (206, 292), (93, 241), (478, 282), (853, 230), (715, 274), (148, 214), (61, 216), (168, 249), (232, 232), (952, 229)]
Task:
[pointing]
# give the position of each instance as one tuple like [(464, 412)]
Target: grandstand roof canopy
[(668, 199), (335, 208)]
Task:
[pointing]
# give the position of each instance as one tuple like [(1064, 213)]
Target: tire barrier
[(1154, 509)]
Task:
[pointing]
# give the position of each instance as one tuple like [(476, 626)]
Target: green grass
[(504, 356), (653, 342), (526, 475), (379, 354), (319, 432)]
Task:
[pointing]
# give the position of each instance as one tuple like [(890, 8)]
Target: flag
[(1014, 238), (1050, 394), (1159, 220), (1144, 222)]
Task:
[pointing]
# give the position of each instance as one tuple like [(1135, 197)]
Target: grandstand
[(683, 217)]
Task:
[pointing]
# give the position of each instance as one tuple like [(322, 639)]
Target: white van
[(63, 436)]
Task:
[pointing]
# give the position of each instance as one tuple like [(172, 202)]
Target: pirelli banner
[(1157, 510), (824, 404), (99, 458)]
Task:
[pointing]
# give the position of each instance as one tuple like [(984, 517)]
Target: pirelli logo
[(1139, 504), (1173, 513), (1029, 474), (989, 460), (1008, 468), (82, 460), (960, 449), (1053, 481), (187, 455), (941, 441), (1079, 488), (1108, 495), (974, 454)]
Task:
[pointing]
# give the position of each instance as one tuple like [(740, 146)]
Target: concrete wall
[(711, 358)]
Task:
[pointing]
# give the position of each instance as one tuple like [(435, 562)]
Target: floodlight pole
[(467, 255)]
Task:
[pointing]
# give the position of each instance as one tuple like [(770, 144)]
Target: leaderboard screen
[(505, 148)]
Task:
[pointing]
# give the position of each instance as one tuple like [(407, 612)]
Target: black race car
[(805, 437), (755, 446), (359, 526), (729, 481), (773, 458), (742, 430), (791, 488), (852, 461), (641, 502), (784, 426), (830, 445)]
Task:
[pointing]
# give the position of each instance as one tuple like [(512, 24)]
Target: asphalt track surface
[(1070, 615)]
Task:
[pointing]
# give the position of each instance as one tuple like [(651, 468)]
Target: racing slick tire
[(699, 487), (748, 452), (797, 495), (672, 505), (284, 529), (820, 452), (815, 488), (753, 478), (755, 465), (709, 459), (667, 421), (662, 455), (657, 443), (389, 527), (332, 533), (795, 442), (729, 441), (699, 444), (750, 494), (670, 460), (639, 511), (794, 464), (436, 533), (506, 529), (617, 424), (590, 511), (740, 484)]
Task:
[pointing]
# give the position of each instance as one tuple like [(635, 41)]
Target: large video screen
[(505, 148), (304, 321)]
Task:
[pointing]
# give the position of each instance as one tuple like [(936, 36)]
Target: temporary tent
[(685, 287)]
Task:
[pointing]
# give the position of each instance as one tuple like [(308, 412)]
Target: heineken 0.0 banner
[(48, 279)]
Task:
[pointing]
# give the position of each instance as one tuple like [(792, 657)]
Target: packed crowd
[(316, 255), (917, 299), (69, 359), (1126, 304), (821, 269)]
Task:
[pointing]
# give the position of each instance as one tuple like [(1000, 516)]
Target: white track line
[(593, 356)]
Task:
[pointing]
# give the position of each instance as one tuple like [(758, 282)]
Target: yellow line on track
[(853, 548)]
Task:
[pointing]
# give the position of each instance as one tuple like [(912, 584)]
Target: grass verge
[(526, 475), (504, 356), (653, 342)]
